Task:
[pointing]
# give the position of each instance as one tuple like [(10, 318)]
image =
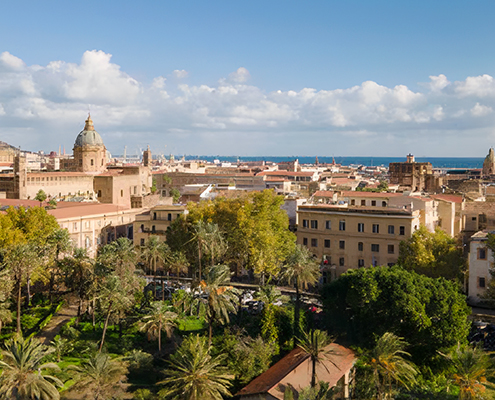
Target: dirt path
[(64, 315)]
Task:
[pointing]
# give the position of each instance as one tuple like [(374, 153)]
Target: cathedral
[(85, 174)]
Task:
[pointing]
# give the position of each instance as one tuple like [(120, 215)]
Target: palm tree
[(209, 240), (221, 298), (160, 320), (99, 375), (472, 366), (153, 251), (193, 374), (300, 269), (389, 365), (21, 376), (59, 242), (177, 262), (314, 343), (79, 275)]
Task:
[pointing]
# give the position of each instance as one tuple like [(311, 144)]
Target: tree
[(221, 298), (99, 376), (79, 275), (471, 369), (59, 242), (429, 313), (193, 374), (20, 260), (434, 254), (153, 251), (314, 343), (300, 269), (161, 319), (5, 314), (389, 365), (175, 194), (269, 295), (41, 196), (21, 376)]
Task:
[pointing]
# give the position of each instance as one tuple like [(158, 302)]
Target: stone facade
[(489, 163)]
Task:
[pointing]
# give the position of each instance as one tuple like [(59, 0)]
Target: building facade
[(345, 237)]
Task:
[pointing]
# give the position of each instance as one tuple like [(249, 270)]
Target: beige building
[(346, 237), (480, 263), (89, 224), (155, 222)]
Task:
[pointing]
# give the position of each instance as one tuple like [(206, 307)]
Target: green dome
[(88, 136)]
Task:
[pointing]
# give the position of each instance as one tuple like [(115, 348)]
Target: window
[(314, 224), (327, 243), (142, 242), (342, 244), (328, 224), (154, 216), (375, 248), (169, 217), (305, 241), (305, 223), (361, 262), (363, 202), (481, 253), (142, 227), (74, 226), (391, 229), (402, 230), (92, 162), (473, 218), (390, 264), (341, 261), (384, 204), (360, 246), (342, 225), (373, 203), (353, 202), (121, 193), (360, 227), (391, 249), (481, 282), (376, 228), (314, 242)]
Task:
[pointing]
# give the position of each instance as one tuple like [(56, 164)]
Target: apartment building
[(155, 222), (345, 237), (480, 263)]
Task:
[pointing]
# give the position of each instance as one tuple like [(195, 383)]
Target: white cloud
[(180, 74), (480, 110), (10, 62), (240, 76), (49, 104)]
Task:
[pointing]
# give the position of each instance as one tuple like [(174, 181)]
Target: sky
[(260, 78)]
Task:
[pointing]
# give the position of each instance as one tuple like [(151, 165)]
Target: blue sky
[(251, 78)]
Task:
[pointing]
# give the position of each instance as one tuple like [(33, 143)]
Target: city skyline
[(258, 79)]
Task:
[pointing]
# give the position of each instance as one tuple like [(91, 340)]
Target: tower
[(89, 151), (147, 157)]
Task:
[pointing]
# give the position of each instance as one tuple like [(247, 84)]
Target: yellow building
[(346, 237), (155, 222)]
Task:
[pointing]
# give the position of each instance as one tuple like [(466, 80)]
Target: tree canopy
[(432, 254), (430, 314), (254, 226)]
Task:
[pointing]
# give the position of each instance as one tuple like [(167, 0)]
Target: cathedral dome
[(88, 136)]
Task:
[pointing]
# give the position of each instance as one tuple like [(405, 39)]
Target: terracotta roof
[(276, 373), (323, 193), (285, 173), (447, 197), (85, 209), (295, 369), (351, 193)]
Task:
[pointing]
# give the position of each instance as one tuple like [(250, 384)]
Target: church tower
[(147, 157), (90, 154)]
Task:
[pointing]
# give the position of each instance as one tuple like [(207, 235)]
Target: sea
[(437, 162)]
